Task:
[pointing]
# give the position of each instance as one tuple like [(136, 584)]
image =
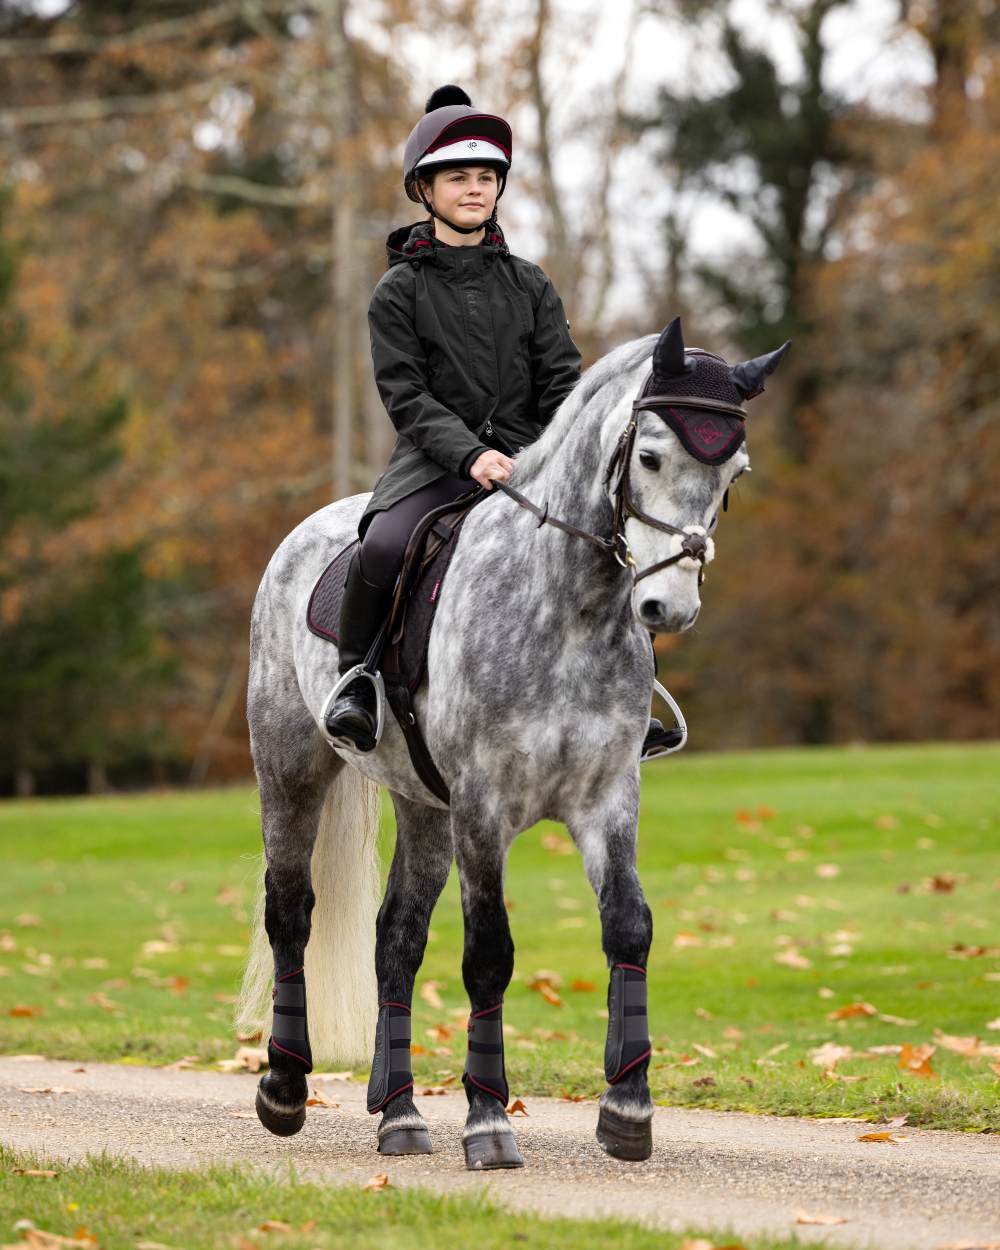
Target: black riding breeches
[(388, 531)]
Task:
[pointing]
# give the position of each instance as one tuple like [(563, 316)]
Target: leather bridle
[(694, 544)]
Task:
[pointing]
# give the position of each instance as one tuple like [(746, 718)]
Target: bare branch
[(150, 33), (254, 192), (612, 146), (100, 109)]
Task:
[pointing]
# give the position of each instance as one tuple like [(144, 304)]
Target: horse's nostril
[(653, 609)]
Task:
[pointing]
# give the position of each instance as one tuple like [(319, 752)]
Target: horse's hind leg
[(419, 870), (606, 835), (293, 777), (487, 965)]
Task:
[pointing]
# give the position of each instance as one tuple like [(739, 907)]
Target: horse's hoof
[(492, 1150), (624, 1139), (277, 1122), (405, 1141)]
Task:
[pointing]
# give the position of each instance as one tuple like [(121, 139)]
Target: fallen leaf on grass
[(585, 987), (793, 958), (828, 871), (429, 993), (971, 1047), (960, 950), (892, 1138), (178, 984), (830, 1054), (39, 1239), (803, 1218), (557, 844), (704, 1081), (101, 1000), (684, 937), (23, 1009), (273, 1226), (255, 1036), (707, 1051), (439, 1032), (417, 1049), (852, 1009), (916, 1059), (517, 1107), (545, 983), (379, 1181), (32, 1172), (901, 1020)]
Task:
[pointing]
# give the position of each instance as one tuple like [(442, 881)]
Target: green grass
[(729, 851), (122, 1204)]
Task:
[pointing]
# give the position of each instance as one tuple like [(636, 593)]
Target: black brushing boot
[(362, 612)]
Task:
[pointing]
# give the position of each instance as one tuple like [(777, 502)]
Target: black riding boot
[(362, 611)]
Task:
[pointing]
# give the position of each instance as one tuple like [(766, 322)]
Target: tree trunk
[(344, 301)]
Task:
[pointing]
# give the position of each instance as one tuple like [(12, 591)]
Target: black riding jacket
[(471, 350)]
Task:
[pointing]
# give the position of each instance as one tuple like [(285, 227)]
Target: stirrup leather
[(680, 722), (342, 742)]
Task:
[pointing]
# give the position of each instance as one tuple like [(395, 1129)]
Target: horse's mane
[(614, 367)]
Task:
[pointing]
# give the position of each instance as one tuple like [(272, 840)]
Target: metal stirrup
[(669, 700), (345, 743)]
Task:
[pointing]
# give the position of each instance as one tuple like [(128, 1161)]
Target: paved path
[(709, 1169)]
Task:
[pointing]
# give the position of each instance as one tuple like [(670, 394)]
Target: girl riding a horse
[(472, 356)]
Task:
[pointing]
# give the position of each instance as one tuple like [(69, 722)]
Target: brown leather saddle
[(401, 650)]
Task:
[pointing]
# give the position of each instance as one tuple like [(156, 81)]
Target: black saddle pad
[(323, 613)]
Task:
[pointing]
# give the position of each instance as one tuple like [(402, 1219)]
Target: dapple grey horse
[(535, 706)]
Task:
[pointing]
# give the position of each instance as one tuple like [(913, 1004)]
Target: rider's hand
[(491, 466)]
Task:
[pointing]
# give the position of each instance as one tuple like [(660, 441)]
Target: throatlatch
[(391, 1069), (484, 1067), (289, 1031), (628, 1024)]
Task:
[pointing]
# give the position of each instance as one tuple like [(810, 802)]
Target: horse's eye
[(648, 460)]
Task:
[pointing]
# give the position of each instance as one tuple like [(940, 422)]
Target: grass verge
[(124, 1206)]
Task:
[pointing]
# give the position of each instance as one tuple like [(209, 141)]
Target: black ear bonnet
[(711, 437)]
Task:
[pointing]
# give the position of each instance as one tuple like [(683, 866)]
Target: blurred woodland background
[(194, 199)]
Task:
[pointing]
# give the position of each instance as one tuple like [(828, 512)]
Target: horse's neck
[(571, 482)]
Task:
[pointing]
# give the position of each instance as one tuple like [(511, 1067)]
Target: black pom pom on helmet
[(449, 94)]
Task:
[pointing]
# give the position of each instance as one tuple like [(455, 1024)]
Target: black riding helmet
[(452, 133)]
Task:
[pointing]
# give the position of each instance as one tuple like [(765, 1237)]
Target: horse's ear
[(668, 354), (748, 378)]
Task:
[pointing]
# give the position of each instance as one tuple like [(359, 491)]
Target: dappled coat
[(471, 350)]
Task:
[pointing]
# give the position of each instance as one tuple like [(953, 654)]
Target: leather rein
[(694, 546)]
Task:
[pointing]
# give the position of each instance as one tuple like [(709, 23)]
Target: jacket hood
[(417, 244)]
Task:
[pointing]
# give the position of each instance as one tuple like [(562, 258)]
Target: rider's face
[(465, 195)]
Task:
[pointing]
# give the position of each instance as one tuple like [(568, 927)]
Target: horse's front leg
[(487, 965), (419, 871), (606, 835)]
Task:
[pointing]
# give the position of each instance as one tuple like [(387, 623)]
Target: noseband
[(695, 544)]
